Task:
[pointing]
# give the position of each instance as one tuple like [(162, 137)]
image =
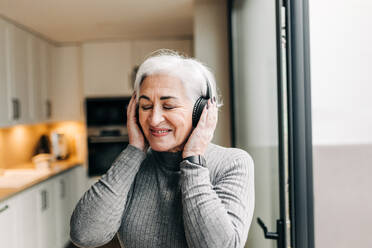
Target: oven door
[(103, 150)]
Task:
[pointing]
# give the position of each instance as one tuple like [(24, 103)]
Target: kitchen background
[(56, 54)]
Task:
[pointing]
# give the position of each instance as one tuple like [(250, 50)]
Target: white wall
[(341, 75), (341, 78), (211, 48), (342, 196)]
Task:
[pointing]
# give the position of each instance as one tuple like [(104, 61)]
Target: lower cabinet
[(8, 211), (65, 187), (27, 218), (46, 215), (39, 217)]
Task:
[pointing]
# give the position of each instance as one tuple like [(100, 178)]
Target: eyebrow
[(161, 98)]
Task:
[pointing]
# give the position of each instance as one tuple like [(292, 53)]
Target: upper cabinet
[(107, 69), (66, 87), (34, 78), (39, 79), (25, 77), (40, 82), (46, 80), (4, 94), (142, 48), (18, 77)]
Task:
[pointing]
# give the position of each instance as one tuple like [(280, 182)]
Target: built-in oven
[(103, 150), (107, 132)]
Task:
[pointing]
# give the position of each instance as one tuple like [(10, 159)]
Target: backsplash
[(18, 143)]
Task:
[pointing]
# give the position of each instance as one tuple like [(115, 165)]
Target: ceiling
[(87, 20)]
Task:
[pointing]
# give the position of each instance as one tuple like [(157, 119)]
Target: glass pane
[(256, 106), (341, 83)]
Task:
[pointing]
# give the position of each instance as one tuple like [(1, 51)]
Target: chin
[(165, 148)]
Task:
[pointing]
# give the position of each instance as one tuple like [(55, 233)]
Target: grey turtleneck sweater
[(158, 200)]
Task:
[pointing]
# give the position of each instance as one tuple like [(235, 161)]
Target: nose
[(156, 117)]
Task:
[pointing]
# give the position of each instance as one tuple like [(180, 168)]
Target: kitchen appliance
[(42, 156), (107, 132), (104, 112), (59, 146)]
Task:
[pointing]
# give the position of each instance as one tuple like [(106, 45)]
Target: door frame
[(299, 122)]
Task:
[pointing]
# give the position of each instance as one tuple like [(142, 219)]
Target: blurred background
[(296, 86)]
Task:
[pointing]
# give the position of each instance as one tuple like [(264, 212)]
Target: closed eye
[(168, 107), (146, 107)]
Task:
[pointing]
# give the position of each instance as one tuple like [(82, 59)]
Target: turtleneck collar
[(168, 160)]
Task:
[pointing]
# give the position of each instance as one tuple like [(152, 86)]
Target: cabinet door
[(45, 80), (46, 215), (27, 207), (18, 82), (62, 200), (107, 69), (8, 221), (34, 78), (67, 93), (78, 181), (4, 95)]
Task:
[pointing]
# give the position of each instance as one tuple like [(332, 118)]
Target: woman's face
[(165, 112)]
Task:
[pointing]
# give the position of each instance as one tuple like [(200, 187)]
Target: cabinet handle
[(44, 200), (4, 208), (63, 188), (49, 108), (16, 108), (19, 108)]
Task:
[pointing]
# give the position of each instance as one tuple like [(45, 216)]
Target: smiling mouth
[(159, 132)]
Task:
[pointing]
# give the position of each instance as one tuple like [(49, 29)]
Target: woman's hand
[(136, 137), (203, 132)]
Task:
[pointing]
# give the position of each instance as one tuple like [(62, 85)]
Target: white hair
[(192, 73)]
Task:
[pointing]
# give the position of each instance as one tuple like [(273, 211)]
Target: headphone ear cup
[(198, 110)]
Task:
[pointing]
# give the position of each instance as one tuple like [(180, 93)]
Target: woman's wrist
[(192, 153), (139, 147)]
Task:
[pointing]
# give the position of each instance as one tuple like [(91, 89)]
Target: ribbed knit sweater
[(158, 200)]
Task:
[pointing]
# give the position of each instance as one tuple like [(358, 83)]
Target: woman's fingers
[(136, 137), (131, 107), (203, 133), (212, 115)]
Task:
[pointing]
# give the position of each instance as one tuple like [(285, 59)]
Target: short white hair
[(193, 74)]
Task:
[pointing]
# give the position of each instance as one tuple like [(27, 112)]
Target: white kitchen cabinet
[(8, 219), (18, 78), (143, 48), (79, 181), (40, 79), (27, 218), (4, 94), (47, 235), (108, 66), (68, 190), (66, 88), (46, 80), (25, 77), (63, 194), (34, 78), (107, 69), (39, 217)]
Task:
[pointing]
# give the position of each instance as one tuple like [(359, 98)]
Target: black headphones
[(199, 106)]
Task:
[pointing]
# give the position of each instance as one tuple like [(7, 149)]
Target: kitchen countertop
[(57, 168)]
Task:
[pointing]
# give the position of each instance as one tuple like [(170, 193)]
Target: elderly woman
[(170, 187)]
